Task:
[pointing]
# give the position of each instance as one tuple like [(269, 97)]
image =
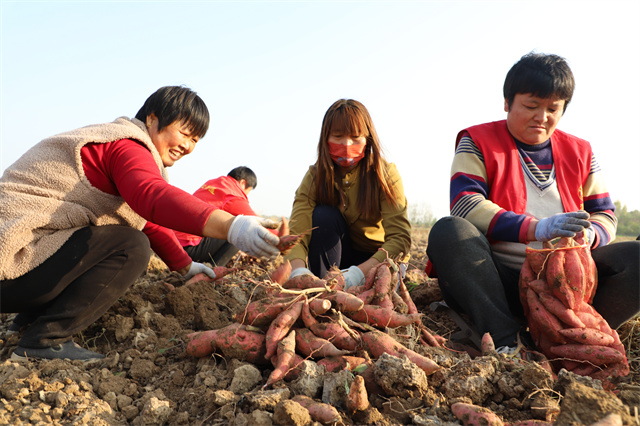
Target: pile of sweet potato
[(306, 317), (557, 286)]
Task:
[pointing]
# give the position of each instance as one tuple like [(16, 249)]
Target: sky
[(269, 70)]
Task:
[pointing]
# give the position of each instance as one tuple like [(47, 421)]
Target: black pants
[(474, 282), (330, 243), (212, 250), (79, 283)]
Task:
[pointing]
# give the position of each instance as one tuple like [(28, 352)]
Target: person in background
[(352, 198), (72, 211), (229, 193), (517, 183)]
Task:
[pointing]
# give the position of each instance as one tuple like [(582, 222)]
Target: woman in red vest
[(517, 183)]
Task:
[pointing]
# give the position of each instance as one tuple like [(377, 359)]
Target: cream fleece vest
[(45, 196)]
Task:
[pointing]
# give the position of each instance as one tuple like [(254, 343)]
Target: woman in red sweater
[(74, 208)]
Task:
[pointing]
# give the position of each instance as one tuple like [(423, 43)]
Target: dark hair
[(245, 173), (541, 75), (177, 103), (350, 117)]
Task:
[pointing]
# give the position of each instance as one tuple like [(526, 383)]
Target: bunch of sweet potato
[(306, 317), (557, 286)]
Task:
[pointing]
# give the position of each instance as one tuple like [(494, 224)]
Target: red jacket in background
[(223, 193)]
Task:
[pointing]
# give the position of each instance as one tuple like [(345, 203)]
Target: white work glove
[(250, 234), (299, 271), (195, 268), (353, 276), (562, 225)]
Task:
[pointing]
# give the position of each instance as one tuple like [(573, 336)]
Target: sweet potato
[(280, 327), (201, 343), (486, 345), (378, 343), (575, 274), (475, 415), (319, 411), (335, 278), (285, 355), (344, 302), (370, 277), (281, 274), (305, 281), (385, 302), (335, 334), (234, 341), (287, 242), (310, 345), (398, 304), (261, 313), (284, 227), (557, 308), (588, 336), (357, 399), (557, 280), (538, 314), (307, 318), (378, 316), (367, 296), (336, 363), (382, 281), (319, 306), (597, 355)]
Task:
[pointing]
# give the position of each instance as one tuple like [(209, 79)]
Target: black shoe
[(67, 350)]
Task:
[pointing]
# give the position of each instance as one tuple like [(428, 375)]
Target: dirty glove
[(250, 234), (300, 271), (562, 225), (352, 276), (195, 268)]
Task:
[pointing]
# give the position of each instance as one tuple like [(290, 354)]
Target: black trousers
[(474, 282), (79, 283), (330, 244), (212, 250)]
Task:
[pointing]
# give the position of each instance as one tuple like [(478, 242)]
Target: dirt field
[(147, 379)]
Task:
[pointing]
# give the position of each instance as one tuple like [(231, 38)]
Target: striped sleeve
[(599, 204), (469, 197)]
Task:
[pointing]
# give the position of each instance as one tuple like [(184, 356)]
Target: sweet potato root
[(281, 274), (597, 355), (344, 302), (357, 399), (335, 334), (336, 363), (378, 343), (260, 313), (588, 336), (474, 415), (319, 411), (280, 327), (310, 345), (379, 316), (285, 355), (234, 341)]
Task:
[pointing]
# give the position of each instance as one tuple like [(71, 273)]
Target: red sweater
[(222, 193), (126, 168)]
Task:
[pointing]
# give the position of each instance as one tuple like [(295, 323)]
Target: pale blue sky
[(268, 71)]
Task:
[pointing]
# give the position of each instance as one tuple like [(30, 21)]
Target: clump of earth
[(148, 379)]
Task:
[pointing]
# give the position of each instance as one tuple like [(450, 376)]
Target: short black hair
[(245, 173), (542, 75), (177, 103)]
